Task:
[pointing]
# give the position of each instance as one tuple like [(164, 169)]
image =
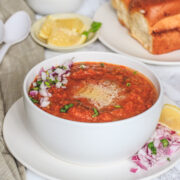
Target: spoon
[(1, 31), (16, 29)]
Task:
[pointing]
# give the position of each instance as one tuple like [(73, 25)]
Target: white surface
[(86, 20), (170, 75), (97, 142), (54, 6), (16, 29), (116, 37), (33, 156)]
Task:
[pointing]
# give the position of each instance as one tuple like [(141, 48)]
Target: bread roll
[(154, 23)]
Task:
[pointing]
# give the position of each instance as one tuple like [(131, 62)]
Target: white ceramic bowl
[(92, 143), (54, 6)]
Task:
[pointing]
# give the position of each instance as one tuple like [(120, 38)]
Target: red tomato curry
[(99, 92)]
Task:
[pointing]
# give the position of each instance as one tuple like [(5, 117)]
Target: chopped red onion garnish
[(55, 76), (58, 84), (43, 92), (33, 93), (133, 170), (44, 102), (41, 70), (59, 71), (158, 150), (34, 84), (43, 76)]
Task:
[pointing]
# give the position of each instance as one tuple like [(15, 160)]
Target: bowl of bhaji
[(92, 107)]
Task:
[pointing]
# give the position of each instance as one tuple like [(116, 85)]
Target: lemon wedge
[(46, 28), (65, 38), (170, 117), (73, 24)]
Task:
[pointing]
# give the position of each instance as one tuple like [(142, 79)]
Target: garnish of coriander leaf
[(66, 107), (95, 26), (96, 113)]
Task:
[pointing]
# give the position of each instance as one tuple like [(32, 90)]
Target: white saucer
[(34, 157), (116, 37)]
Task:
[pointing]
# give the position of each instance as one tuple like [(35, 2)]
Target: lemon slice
[(65, 37), (170, 117), (73, 24), (46, 28)]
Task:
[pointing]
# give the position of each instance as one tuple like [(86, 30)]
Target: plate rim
[(144, 60), (42, 174)]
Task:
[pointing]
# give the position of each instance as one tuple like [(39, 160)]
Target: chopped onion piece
[(64, 81), (42, 86), (59, 71), (33, 93), (43, 92), (59, 78), (44, 102), (52, 77), (58, 84), (34, 84), (43, 76), (133, 170), (41, 70)]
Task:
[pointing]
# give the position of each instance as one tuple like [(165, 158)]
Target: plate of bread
[(147, 30)]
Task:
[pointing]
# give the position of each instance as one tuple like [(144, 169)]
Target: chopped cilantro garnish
[(95, 26), (55, 80), (165, 142), (96, 113), (66, 107), (118, 106), (34, 100), (152, 148), (35, 88), (47, 84), (128, 84), (51, 81), (39, 83), (168, 159), (135, 72), (102, 64), (63, 67)]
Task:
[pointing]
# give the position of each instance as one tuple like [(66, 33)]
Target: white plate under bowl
[(116, 37), (37, 25), (26, 150)]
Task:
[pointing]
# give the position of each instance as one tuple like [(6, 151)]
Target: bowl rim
[(160, 96)]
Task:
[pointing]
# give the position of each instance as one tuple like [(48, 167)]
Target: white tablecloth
[(169, 75)]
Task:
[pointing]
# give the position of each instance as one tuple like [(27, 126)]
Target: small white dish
[(116, 37), (34, 157), (37, 25), (55, 6)]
